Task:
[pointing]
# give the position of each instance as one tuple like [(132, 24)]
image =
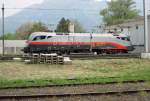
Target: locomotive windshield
[(124, 38), (39, 38)]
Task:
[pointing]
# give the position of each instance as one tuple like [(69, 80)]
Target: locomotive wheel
[(66, 53), (98, 52), (59, 53)]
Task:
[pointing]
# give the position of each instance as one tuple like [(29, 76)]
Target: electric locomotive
[(65, 43)]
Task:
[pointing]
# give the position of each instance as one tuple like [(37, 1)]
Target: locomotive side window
[(42, 37), (49, 37)]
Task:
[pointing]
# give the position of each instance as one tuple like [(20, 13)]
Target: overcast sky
[(21, 4), (26, 3), (18, 4)]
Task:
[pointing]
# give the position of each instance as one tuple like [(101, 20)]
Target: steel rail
[(73, 94), (81, 56)]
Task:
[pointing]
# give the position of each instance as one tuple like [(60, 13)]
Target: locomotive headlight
[(27, 43), (26, 48)]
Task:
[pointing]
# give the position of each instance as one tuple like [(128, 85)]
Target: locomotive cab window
[(118, 37), (128, 39), (39, 38), (36, 38), (124, 38)]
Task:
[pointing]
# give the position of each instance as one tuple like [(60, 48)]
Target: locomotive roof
[(76, 34)]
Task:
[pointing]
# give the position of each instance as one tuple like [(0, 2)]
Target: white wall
[(137, 35), (13, 46), (149, 33)]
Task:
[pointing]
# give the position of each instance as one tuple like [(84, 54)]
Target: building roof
[(129, 23)]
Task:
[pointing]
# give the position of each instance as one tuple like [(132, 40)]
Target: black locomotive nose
[(130, 48), (25, 50)]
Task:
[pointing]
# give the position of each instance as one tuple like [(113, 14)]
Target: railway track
[(80, 56), (16, 97), (104, 56), (75, 91)]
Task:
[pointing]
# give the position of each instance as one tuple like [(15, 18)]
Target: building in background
[(135, 29), (71, 27)]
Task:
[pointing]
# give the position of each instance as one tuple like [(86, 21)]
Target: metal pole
[(3, 31), (145, 10)]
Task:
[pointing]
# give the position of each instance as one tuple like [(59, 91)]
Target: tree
[(63, 25), (78, 28), (118, 11), (8, 36), (26, 29)]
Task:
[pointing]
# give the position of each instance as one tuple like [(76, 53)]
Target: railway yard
[(120, 77), (77, 50)]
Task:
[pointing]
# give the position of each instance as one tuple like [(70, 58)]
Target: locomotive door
[(71, 41), (91, 37)]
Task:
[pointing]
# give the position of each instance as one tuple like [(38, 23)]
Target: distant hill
[(85, 11)]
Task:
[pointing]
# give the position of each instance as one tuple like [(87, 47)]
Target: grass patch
[(44, 82), (17, 74)]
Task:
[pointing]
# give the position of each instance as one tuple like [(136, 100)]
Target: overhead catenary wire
[(75, 10), (3, 29), (59, 9), (55, 11)]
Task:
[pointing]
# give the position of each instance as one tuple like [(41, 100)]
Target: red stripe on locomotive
[(118, 46)]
